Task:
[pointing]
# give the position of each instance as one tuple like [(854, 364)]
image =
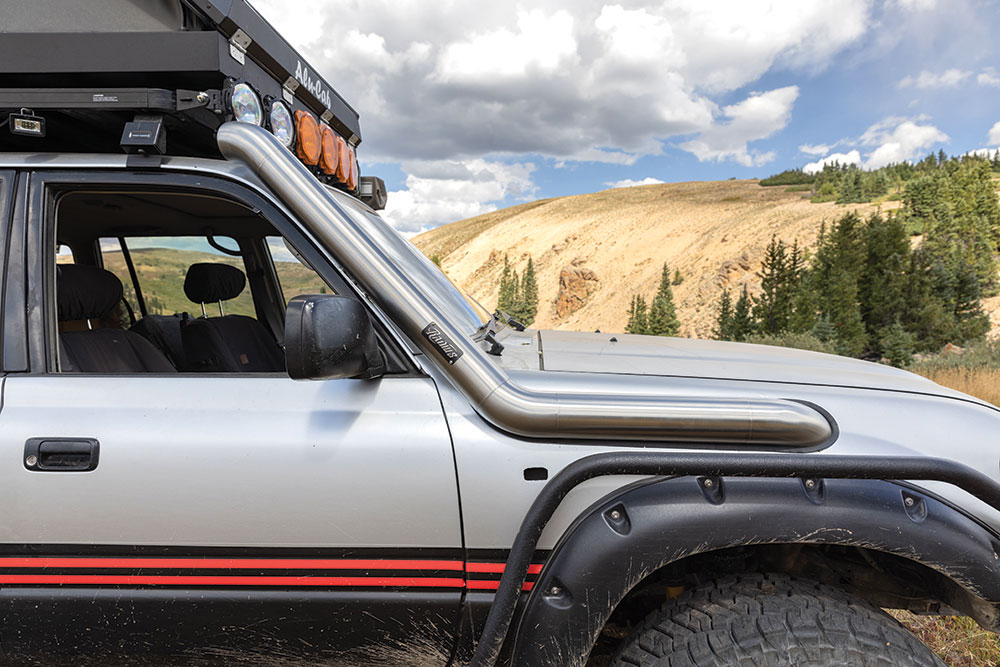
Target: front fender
[(626, 537)]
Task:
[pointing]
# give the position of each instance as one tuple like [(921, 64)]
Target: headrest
[(85, 292), (207, 282)]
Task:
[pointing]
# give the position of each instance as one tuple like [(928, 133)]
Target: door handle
[(61, 454)]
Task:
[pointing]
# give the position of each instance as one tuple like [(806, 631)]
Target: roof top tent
[(90, 67)]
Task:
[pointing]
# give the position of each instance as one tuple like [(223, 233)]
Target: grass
[(805, 187), (982, 383), (959, 640)]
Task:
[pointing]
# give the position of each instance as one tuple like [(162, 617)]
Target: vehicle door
[(214, 515)]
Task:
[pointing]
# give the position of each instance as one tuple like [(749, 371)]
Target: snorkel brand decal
[(314, 86), (437, 338)]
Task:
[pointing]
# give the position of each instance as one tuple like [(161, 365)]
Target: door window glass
[(295, 276), (161, 263)]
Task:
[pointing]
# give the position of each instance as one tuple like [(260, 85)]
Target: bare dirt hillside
[(593, 252)]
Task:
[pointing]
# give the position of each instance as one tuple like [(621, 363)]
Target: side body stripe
[(209, 571)]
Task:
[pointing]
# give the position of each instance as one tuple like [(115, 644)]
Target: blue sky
[(468, 106)]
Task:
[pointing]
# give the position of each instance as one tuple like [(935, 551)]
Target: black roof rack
[(88, 68)]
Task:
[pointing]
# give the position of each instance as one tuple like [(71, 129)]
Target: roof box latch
[(238, 45)]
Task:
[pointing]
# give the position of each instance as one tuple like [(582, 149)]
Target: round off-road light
[(246, 104), (307, 145), (331, 155), (352, 173), (282, 125)]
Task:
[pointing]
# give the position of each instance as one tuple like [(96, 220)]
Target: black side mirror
[(329, 337)]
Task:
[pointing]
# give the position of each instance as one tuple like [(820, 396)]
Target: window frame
[(46, 187)]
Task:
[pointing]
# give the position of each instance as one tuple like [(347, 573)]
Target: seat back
[(229, 343), (86, 295), (164, 332)]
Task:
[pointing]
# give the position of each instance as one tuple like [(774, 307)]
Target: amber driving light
[(343, 160), (308, 143), (331, 155), (352, 173)]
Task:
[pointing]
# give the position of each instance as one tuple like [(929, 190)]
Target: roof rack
[(87, 69)]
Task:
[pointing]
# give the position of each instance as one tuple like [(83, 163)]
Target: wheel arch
[(642, 539)]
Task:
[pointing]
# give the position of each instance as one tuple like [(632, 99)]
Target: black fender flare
[(634, 532)]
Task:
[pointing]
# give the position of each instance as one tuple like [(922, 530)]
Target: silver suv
[(379, 474)]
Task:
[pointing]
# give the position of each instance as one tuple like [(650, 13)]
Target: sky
[(467, 107)]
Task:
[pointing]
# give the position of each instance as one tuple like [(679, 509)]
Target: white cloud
[(730, 43), (994, 134), (815, 149), (629, 183), (899, 139), (442, 191), (988, 77), (850, 157), (757, 117), (542, 43), (915, 5), (982, 152), (566, 79), (949, 78)]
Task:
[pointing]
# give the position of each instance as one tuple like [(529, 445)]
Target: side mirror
[(329, 337)]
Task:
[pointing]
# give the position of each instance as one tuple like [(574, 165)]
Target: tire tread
[(765, 620)]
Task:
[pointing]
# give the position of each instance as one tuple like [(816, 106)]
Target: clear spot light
[(282, 125), (246, 105)]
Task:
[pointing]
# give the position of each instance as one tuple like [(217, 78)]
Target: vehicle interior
[(168, 282)]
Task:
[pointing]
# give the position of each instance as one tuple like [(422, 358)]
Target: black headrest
[(208, 282), (85, 292)]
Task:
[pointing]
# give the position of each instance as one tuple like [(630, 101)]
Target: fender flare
[(633, 533)]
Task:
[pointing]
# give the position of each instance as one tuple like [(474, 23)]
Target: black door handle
[(61, 454)]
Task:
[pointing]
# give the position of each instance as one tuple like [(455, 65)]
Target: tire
[(771, 620)]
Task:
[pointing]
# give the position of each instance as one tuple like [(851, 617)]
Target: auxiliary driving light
[(282, 125), (307, 145), (352, 172), (246, 104), (26, 124), (371, 190), (331, 156), (343, 160)]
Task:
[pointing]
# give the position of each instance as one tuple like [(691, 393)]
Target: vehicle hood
[(686, 357)]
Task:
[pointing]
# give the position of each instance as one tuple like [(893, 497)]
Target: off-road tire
[(771, 620)]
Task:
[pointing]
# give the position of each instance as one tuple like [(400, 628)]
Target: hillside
[(593, 251)]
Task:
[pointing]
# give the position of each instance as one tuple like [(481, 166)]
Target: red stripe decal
[(150, 580), (486, 585), (534, 568), (235, 563)]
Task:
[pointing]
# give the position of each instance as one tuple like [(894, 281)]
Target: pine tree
[(638, 317), (678, 277), (884, 281), (662, 312), (897, 345), (779, 278), (824, 330), (724, 320), (834, 278), (529, 295), (510, 287), (742, 321)]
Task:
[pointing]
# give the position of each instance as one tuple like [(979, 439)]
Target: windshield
[(416, 268)]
